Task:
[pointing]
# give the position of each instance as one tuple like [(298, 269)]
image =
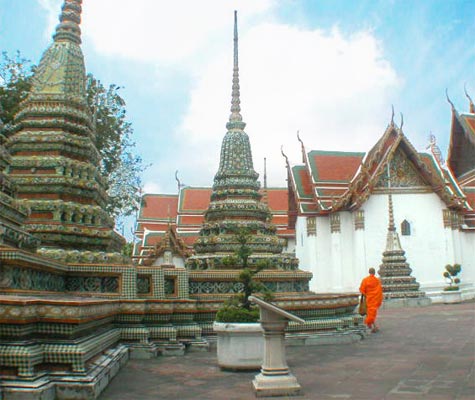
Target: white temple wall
[(176, 261), (427, 248), (467, 275), (339, 261), (348, 261)]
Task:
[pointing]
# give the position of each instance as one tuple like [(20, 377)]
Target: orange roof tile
[(152, 226), (471, 198), (159, 206), (331, 192), (470, 120), (280, 219), (194, 199), (190, 220), (334, 165), (277, 199), (302, 182)]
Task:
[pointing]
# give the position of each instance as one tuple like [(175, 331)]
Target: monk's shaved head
[(372, 271)]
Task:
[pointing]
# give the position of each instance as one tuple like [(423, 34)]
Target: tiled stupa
[(54, 157), (236, 201), (12, 214), (236, 204), (394, 271)]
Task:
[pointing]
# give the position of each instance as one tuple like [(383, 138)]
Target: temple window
[(405, 228), (311, 226)]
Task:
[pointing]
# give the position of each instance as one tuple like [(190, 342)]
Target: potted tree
[(451, 293), (240, 342)]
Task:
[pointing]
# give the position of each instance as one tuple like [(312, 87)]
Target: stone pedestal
[(240, 345), (275, 378), (451, 296)]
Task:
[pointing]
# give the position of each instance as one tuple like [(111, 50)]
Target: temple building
[(340, 200), (183, 214), (335, 215)]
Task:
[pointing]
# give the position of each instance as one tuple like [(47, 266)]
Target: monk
[(373, 291)]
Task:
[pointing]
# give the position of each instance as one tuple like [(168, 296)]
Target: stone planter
[(240, 345), (451, 296)]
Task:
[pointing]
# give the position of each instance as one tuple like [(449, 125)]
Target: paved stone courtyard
[(420, 353)]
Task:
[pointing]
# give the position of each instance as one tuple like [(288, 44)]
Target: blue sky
[(330, 69)]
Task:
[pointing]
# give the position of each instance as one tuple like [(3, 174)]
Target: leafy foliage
[(232, 311), (238, 308), (450, 275), (120, 166), (15, 83)]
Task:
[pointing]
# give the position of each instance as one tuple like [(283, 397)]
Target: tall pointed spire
[(265, 197), (236, 157), (69, 20), (235, 119), (236, 201), (61, 71), (392, 239), (395, 271)]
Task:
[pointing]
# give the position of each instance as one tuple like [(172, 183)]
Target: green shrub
[(450, 275), (238, 308)]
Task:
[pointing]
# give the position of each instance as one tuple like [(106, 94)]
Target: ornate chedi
[(54, 157), (236, 201), (12, 214), (394, 271), (236, 207)]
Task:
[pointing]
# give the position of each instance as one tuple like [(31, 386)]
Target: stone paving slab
[(420, 353)]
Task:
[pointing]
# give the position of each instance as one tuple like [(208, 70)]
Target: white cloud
[(152, 187), (334, 89), (161, 31), (53, 9)]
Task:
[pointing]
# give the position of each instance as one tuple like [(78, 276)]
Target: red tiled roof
[(471, 198), (470, 120), (154, 238), (189, 215), (189, 240), (286, 232), (194, 199), (152, 226), (280, 219), (333, 165), (190, 219), (302, 182), (277, 199), (159, 206), (331, 192)]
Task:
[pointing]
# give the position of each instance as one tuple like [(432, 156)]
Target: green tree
[(238, 308), (121, 166), (15, 83), (450, 274)]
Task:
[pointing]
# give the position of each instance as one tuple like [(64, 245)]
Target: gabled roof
[(333, 166), (194, 200), (461, 158), (184, 214), (334, 181), (156, 243), (159, 207)]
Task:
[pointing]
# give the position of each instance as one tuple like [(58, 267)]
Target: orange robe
[(372, 289)]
